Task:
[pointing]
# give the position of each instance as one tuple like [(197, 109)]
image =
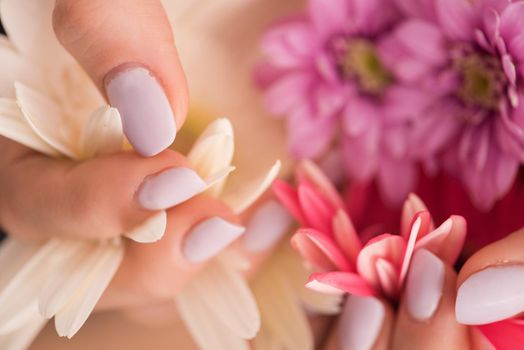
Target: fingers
[(197, 231), (491, 283), (128, 50), (365, 323), (104, 197), (426, 318)]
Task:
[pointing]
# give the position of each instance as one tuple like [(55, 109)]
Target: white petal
[(46, 119), (244, 195), (21, 292), (151, 230), (14, 127), (74, 314), (207, 331), (67, 276), (210, 155), (22, 338), (103, 133), (227, 296)]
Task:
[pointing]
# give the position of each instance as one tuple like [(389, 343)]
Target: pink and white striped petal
[(288, 196), (319, 250), (386, 246), (339, 283), (346, 236)]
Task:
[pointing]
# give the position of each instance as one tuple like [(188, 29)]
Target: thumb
[(127, 48)]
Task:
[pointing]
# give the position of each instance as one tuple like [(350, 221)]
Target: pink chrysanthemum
[(469, 55), (330, 243), (326, 72)]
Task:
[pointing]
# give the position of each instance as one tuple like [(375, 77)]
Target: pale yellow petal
[(28, 24), (22, 338), (210, 155), (67, 275), (103, 133), (244, 194), (46, 119), (15, 67), (284, 321), (14, 127), (20, 293), (151, 230), (228, 297), (207, 331), (74, 314)]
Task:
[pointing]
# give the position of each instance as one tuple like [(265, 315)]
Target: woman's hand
[(439, 310), (128, 50)]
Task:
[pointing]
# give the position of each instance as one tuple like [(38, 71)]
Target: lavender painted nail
[(424, 285), (208, 238), (169, 188), (146, 114), (491, 295), (360, 323), (267, 225)]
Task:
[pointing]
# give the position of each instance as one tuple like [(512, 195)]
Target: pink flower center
[(482, 80), (357, 60)]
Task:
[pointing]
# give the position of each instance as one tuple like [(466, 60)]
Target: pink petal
[(288, 44), (456, 18), (329, 17), (504, 335), (396, 179), (304, 138), (447, 240), (307, 171), (419, 227), (388, 277), (287, 92), (411, 207), (317, 211), (320, 250), (346, 236), (361, 154), (358, 116), (417, 8), (288, 196), (385, 246), (511, 20), (348, 282), (423, 40)]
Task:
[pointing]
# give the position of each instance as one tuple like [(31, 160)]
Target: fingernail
[(267, 225), (169, 188), (208, 238), (491, 295), (424, 285), (360, 323), (146, 114)]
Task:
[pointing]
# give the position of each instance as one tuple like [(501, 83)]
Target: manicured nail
[(360, 323), (267, 225), (209, 237), (146, 114), (169, 188), (491, 295), (424, 285)]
